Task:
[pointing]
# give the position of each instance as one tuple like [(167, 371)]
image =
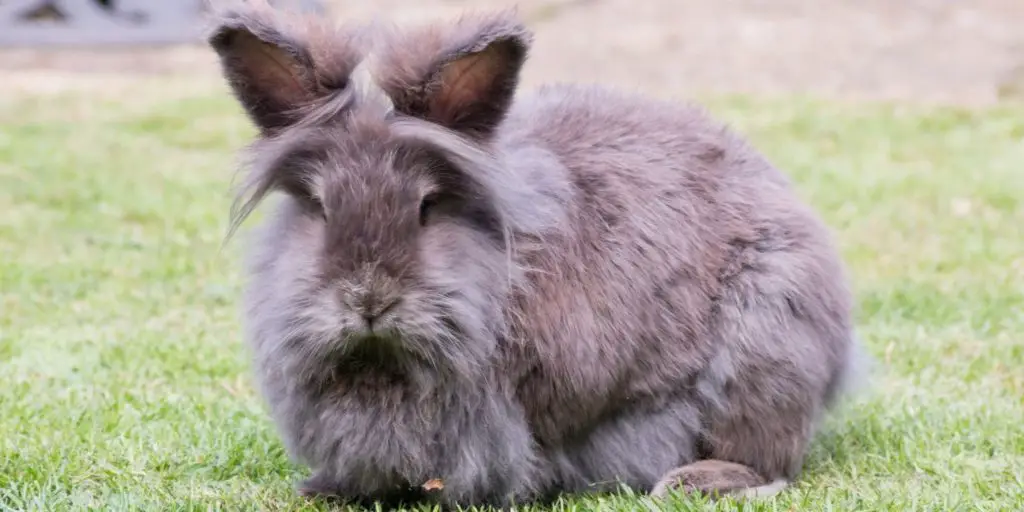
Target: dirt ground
[(948, 51)]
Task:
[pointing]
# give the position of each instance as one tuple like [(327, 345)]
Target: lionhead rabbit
[(515, 295)]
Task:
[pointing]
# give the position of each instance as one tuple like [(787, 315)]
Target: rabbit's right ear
[(462, 76), (277, 63)]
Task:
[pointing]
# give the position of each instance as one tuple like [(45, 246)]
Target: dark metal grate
[(105, 22)]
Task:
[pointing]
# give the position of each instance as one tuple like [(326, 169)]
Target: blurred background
[(950, 51)]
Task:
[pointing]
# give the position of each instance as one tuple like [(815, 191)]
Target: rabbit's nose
[(372, 309)]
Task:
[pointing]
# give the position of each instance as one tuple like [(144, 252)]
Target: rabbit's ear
[(468, 82), (270, 60)]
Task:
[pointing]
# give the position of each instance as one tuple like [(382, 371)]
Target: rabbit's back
[(671, 223)]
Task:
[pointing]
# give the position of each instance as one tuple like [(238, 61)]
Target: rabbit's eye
[(426, 205), (317, 208)]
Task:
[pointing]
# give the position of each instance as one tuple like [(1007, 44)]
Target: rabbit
[(471, 294)]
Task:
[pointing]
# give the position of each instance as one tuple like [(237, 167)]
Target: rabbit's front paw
[(320, 485)]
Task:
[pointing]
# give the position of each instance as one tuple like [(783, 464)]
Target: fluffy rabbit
[(517, 295)]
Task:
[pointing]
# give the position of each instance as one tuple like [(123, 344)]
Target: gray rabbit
[(509, 295)]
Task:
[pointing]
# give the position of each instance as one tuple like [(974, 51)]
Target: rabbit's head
[(390, 239)]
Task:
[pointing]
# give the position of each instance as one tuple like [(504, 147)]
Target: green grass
[(124, 383)]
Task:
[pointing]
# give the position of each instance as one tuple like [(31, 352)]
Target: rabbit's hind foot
[(717, 478)]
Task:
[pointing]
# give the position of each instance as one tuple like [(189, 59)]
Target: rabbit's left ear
[(462, 77)]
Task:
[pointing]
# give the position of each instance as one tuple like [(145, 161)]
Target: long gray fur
[(610, 287)]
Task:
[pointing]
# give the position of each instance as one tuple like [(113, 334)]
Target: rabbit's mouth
[(385, 343), (435, 345), (377, 350), (387, 340)]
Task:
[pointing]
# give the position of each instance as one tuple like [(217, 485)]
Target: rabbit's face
[(392, 238), (409, 249)]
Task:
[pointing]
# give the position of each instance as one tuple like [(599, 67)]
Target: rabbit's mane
[(523, 181)]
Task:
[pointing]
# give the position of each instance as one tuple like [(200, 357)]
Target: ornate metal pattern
[(92, 22)]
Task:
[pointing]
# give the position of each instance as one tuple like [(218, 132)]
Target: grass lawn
[(124, 383)]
